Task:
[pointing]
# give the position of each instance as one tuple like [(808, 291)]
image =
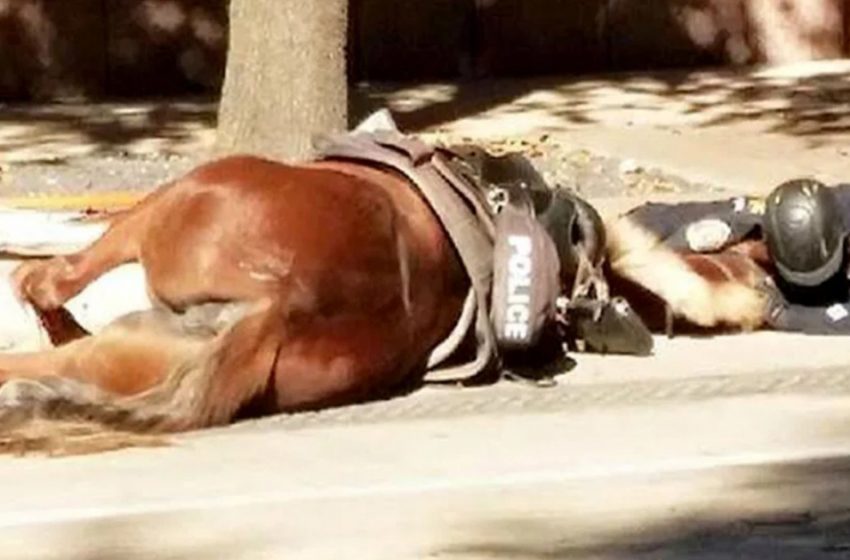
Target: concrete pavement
[(762, 473), (714, 447), (744, 130)]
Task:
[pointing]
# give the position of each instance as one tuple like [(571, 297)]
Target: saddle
[(468, 221), (511, 260)]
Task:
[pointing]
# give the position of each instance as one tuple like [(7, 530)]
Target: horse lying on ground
[(278, 288)]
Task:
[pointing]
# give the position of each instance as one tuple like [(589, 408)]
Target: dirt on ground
[(592, 175), (92, 173)]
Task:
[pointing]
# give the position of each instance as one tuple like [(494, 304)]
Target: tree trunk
[(285, 80)]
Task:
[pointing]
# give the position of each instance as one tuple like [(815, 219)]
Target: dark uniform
[(712, 226)]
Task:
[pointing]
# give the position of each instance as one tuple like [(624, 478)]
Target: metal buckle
[(497, 199)]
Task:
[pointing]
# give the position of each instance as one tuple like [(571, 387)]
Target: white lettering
[(516, 331), (519, 298), (520, 268), (522, 243), (518, 314)]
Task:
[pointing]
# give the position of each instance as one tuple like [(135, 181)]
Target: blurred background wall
[(89, 49)]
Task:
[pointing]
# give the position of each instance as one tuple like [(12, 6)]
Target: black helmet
[(512, 168), (576, 228), (804, 231), (573, 224)]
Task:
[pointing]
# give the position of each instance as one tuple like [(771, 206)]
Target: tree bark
[(286, 76)]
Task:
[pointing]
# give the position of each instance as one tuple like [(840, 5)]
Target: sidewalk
[(744, 130), (740, 130), (755, 477)]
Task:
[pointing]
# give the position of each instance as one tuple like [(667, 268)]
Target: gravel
[(592, 175), (92, 173)]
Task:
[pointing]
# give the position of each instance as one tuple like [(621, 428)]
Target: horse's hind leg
[(49, 283)]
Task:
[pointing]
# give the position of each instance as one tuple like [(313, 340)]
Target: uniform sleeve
[(701, 226), (833, 319), (842, 193)]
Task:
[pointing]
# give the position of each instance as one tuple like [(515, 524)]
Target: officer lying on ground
[(804, 225)]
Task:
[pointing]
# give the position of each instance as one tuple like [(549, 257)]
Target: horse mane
[(706, 289)]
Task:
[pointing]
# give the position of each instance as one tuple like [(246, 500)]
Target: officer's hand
[(610, 327), (776, 305)]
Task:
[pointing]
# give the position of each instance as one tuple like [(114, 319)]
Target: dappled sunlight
[(167, 45), (163, 16), (799, 30), (47, 51), (53, 132), (406, 99), (717, 25), (756, 30), (809, 101), (84, 49)]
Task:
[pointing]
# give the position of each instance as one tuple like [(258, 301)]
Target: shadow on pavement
[(128, 539), (28, 132), (812, 104), (788, 511)]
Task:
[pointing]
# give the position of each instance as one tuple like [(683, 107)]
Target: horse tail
[(203, 390), (168, 407), (706, 289)]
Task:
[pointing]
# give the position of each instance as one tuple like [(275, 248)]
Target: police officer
[(805, 228), (804, 225)]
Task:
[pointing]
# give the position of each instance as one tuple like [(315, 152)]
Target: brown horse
[(279, 288)]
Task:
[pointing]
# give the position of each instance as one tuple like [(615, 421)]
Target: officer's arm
[(669, 223), (724, 225), (834, 319)]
